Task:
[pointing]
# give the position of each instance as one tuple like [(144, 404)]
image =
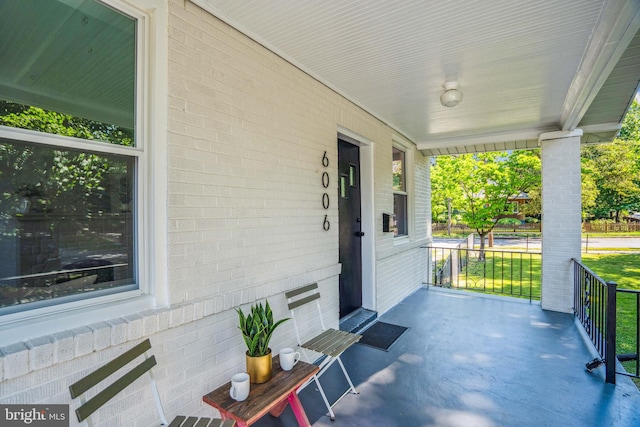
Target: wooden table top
[(262, 397)]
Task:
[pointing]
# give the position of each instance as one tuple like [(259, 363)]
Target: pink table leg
[(298, 410), (238, 423), (279, 408)]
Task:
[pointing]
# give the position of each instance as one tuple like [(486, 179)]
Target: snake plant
[(257, 328)]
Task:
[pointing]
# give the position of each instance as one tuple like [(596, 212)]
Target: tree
[(487, 182), (611, 172), (495, 179), (445, 191), (589, 186), (614, 168), (630, 130)]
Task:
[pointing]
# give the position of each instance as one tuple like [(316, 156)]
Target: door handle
[(359, 233)]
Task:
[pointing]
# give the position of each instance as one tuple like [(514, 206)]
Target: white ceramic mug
[(288, 358), (240, 386)]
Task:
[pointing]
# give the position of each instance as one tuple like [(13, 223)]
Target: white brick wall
[(246, 134), (561, 220), (401, 263)]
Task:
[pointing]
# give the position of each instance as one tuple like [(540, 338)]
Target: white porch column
[(561, 216)]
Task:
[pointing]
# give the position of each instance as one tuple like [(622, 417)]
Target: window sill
[(28, 324), (35, 344)]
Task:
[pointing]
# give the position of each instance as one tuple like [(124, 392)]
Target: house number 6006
[(326, 225), (325, 179)]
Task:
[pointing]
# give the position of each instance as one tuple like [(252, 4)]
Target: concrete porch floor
[(474, 361)]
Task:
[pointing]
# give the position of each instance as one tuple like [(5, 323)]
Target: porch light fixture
[(451, 96)]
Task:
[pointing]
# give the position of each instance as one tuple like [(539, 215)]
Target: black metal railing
[(595, 307), (510, 273)]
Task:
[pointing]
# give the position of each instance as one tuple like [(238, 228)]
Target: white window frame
[(151, 184), (408, 150)]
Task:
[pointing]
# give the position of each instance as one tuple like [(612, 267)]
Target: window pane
[(343, 186), (399, 227), (68, 68), (353, 177), (35, 118), (398, 170), (66, 224)]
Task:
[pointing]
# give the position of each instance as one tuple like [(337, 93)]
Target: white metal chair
[(89, 406), (331, 343)]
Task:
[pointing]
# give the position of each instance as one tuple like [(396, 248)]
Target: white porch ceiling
[(524, 66)]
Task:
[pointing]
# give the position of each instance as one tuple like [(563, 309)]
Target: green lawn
[(624, 269), (502, 272)]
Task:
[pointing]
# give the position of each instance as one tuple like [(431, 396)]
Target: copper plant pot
[(259, 368)]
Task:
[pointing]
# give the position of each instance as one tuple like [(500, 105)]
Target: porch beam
[(618, 24)]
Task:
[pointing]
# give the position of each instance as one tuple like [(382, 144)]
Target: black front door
[(351, 234)]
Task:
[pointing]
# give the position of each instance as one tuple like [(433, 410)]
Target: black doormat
[(382, 335)]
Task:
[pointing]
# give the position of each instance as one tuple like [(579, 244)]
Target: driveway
[(534, 244)]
